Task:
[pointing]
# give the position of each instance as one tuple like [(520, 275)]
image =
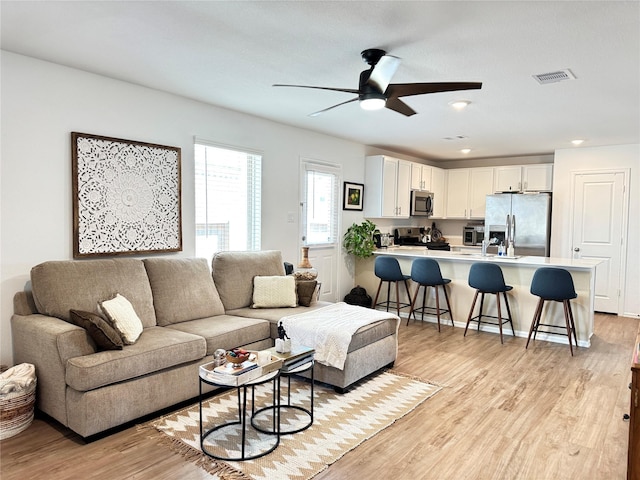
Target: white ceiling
[(229, 53)]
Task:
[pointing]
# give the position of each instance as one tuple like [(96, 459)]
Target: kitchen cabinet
[(524, 178), (480, 185), (420, 177), (387, 187), (438, 190), (457, 198), (537, 178), (467, 189)]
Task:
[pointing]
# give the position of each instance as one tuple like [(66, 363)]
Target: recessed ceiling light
[(465, 150), (577, 141), (459, 104)]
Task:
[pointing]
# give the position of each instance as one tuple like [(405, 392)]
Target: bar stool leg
[(506, 302), (413, 304), (481, 309), (446, 296), (397, 299), (535, 321), (573, 325), (566, 321), (375, 302), (473, 304), (437, 306), (499, 316)]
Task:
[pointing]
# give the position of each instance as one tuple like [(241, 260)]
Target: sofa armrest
[(47, 343)]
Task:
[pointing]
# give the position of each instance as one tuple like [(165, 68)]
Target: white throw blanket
[(329, 329), (17, 378)]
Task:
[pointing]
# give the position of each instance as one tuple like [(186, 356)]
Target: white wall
[(43, 102), (567, 162)]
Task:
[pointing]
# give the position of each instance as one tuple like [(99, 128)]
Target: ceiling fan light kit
[(375, 90)]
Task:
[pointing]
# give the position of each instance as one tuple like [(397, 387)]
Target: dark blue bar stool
[(487, 278), (387, 269), (425, 272), (553, 284)]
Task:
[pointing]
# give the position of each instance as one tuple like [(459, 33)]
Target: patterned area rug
[(341, 423)]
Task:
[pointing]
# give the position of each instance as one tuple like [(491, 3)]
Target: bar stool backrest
[(487, 277), (553, 284), (388, 269), (426, 271)]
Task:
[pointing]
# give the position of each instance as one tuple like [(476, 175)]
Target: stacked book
[(234, 375), (297, 357)]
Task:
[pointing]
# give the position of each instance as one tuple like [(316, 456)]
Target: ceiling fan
[(375, 92)]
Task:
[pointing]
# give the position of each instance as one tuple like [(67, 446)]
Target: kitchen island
[(518, 272)]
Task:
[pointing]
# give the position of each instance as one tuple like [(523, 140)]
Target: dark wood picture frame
[(353, 196), (126, 196)]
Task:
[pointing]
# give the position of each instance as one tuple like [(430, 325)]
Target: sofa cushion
[(122, 316), (225, 331), (233, 274), (182, 289), (103, 335), (61, 286), (274, 291), (156, 349)]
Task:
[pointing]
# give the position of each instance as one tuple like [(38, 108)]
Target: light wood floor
[(505, 413)]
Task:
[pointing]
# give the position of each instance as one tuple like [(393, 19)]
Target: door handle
[(576, 249)]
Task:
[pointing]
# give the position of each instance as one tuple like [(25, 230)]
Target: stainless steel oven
[(421, 204)]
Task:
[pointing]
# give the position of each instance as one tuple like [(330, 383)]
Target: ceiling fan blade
[(408, 89), (346, 90), (399, 106), (315, 114), (383, 71)]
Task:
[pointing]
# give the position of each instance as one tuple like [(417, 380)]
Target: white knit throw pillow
[(123, 317), (274, 291)]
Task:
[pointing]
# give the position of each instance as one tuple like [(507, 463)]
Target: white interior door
[(598, 232), (320, 198)]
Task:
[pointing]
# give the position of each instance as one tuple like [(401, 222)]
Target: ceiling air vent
[(553, 77)]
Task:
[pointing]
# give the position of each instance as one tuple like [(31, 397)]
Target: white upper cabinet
[(524, 178), (420, 177), (387, 187), (457, 193), (508, 179), (438, 190), (467, 189), (480, 185), (537, 178)]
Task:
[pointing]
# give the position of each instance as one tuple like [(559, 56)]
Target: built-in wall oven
[(421, 204)]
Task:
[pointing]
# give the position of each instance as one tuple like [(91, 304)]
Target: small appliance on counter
[(473, 235), (416, 236), (382, 240)]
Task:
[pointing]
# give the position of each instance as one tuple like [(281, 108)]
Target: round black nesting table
[(256, 444), (282, 408)]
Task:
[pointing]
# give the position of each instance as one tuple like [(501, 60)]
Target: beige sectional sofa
[(187, 312)]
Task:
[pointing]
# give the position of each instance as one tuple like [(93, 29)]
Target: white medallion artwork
[(126, 196)]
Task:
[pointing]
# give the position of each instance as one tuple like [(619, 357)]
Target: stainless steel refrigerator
[(526, 218)]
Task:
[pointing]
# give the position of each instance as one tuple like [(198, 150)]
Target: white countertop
[(526, 261)]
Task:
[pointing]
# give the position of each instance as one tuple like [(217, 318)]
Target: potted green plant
[(358, 239)]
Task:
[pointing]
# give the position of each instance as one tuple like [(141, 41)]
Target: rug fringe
[(415, 377), (211, 465)]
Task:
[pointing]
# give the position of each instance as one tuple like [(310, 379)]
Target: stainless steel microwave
[(421, 204)]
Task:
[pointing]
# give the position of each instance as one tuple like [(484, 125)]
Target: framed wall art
[(126, 196), (353, 196)]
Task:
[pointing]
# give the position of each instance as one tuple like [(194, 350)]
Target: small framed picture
[(353, 196)]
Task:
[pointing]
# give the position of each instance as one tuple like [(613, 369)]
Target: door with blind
[(319, 204)]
